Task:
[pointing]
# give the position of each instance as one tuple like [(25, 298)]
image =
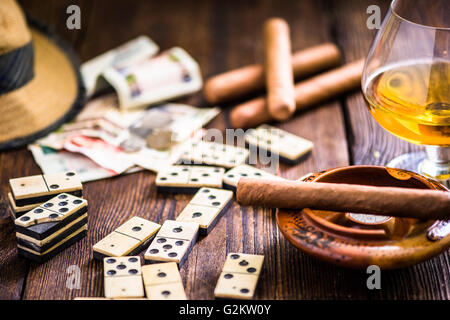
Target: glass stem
[(437, 163)]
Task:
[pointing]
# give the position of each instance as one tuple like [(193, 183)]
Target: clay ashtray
[(359, 240)]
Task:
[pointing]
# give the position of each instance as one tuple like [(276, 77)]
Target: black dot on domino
[(228, 276), (245, 290), (110, 260), (194, 179), (243, 174), (38, 211), (54, 186), (216, 203), (111, 272), (136, 229), (167, 246), (206, 190), (230, 176), (211, 197), (243, 263), (177, 230), (165, 293), (132, 271), (196, 214), (161, 240), (133, 259), (62, 196), (174, 174), (234, 256), (62, 204), (25, 218), (48, 205), (70, 174), (121, 266), (78, 201), (154, 251), (251, 270), (163, 178), (161, 274), (63, 210), (53, 216), (172, 254), (179, 243)]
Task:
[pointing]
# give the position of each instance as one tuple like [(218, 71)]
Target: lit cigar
[(240, 82), (386, 201), (307, 93), (278, 68)]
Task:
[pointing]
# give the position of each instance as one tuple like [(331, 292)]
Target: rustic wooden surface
[(220, 35)]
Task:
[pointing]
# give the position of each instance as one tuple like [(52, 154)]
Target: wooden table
[(221, 35)]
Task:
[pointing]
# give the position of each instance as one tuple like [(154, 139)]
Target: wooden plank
[(370, 144)]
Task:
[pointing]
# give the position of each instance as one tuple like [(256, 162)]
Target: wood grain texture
[(221, 35)]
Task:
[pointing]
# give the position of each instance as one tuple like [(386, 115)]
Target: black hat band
[(16, 68)]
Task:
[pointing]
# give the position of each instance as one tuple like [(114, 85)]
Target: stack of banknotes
[(135, 127)]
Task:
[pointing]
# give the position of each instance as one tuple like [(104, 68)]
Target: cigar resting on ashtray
[(240, 82), (307, 93), (386, 201), (278, 69)]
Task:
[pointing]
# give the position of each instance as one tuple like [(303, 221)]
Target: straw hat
[(40, 85)]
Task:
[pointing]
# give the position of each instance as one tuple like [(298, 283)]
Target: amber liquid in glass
[(412, 100)]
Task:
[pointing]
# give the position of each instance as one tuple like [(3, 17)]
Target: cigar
[(386, 201), (307, 93), (278, 69), (240, 82)]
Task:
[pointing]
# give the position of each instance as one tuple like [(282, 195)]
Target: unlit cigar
[(307, 93), (278, 69), (240, 82), (386, 201)]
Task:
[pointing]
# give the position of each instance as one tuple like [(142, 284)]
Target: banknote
[(127, 54), (104, 154), (51, 160), (172, 74), (116, 141)]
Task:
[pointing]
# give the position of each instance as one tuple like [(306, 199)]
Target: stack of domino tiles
[(56, 216)]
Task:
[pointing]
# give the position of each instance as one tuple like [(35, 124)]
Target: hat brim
[(54, 95)]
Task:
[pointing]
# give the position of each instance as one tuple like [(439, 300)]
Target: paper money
[(104, 154), (51, 161), (170, 75), (127, 54), (115, 141)]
